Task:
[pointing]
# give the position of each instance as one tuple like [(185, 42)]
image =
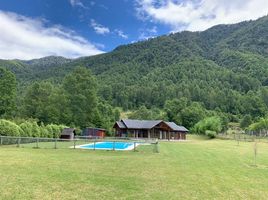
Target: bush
[(8, 128), (208, 124), (262, 124), (30, 129), (35, 130), (27, 129), (49, 131), (78, 131), (44, 131), (55, 130), (210, 134), (58, 129)]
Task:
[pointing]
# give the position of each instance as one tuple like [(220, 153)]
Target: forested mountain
[(224, 68)]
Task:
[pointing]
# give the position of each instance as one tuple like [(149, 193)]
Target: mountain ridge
[(223, 61)]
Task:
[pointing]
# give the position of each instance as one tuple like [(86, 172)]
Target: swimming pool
[(109, 146)]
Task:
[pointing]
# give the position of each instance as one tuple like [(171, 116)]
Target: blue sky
[(73, 28), (114, 15)]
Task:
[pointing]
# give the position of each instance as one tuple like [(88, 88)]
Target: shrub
[(55, 130), (35, 130), (44, 131), (210, 134), (30, 129), (49, 131), (208, 124), (27, 129), (8, 128), (262, 124)]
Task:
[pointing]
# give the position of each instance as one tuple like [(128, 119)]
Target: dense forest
[(183, 77)]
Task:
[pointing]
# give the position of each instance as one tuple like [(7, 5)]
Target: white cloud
[(152, 30), (196, 15), (121, 34), (148, 33), (145, 36), (102, 30), (27, 38), (98, 28), (77, 3)]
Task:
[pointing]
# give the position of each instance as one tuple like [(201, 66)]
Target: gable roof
[(140, 124), (120, 124), (175, 127), (147, 124), (68, 131)]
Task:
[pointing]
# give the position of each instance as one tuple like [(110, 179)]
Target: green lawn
[(197, 169)]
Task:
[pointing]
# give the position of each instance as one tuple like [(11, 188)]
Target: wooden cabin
[(150, 129), (94, 132), (67, 133)]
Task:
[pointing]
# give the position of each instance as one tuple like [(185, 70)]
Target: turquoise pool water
[(110, 145)]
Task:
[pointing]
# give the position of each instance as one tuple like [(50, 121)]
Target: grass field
[(197, 169)]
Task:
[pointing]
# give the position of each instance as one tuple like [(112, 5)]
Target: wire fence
[(244, 137), (85, 143)]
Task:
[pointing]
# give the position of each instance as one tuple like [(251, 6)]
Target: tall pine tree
[(7, 92), (81, 90)]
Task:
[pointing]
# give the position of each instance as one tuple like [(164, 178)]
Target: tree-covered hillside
[(224, 68)]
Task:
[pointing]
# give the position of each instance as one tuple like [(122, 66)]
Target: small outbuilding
[(67, 133), (94, 132)]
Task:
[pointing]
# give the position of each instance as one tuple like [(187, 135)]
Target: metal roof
[(121, 124), (68, 131), (175, 127), (147, 124), (140, 124)]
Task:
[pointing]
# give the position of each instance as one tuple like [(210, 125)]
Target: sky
[(73, 28)]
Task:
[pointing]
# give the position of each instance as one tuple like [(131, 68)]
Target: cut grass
[(197, 169)]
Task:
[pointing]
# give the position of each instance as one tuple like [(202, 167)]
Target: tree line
[(73, 103), (29, 128), (184, 77)]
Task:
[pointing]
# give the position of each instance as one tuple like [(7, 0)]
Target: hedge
[(8, 128)]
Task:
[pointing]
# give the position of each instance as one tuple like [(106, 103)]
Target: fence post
[(55, 146), (113, 145), (156, 147), (134, 146), (94, 144), (238, 139), (37, 140), (255, 153), (18, 145), (1, 142), (74, 143)]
